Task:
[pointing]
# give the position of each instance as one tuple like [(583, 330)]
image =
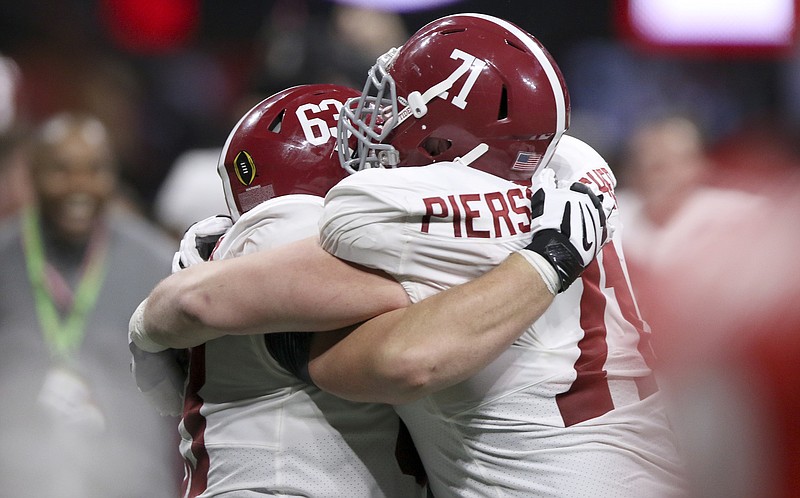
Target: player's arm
[(295, 287), (409, 353)]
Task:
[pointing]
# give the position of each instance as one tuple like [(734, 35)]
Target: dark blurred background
[(170, 76)]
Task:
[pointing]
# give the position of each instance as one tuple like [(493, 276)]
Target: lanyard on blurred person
[(62, 335)]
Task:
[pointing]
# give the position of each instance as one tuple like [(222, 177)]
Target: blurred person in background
[(665, 164), (74, 424), (668, 173)]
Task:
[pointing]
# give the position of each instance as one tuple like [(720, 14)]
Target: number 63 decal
[(317, 129)]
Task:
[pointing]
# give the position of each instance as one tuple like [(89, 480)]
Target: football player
[(247, 425), (571, 408)]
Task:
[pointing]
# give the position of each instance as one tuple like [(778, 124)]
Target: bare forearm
[(169, 315), (409, 353), (296, 287)]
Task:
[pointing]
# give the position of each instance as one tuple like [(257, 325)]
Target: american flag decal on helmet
[(526, 161)]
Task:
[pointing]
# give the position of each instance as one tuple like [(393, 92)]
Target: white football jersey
[(570, 409), (250, 428)]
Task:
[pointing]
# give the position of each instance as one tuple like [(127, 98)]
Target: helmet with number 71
[(460, 81), (284, 145)]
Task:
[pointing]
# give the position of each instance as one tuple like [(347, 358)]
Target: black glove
[(569, 229)]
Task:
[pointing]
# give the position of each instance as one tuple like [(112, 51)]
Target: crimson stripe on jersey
[(195, 424), (615, 278), (589, 395)]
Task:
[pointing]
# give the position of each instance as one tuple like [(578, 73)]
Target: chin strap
[(472, 155)]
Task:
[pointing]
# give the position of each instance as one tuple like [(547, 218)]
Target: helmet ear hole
[(275, 125), (435, 146), (502, 112)]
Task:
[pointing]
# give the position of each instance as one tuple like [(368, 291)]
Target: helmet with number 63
[(284, 145), (460, 81)]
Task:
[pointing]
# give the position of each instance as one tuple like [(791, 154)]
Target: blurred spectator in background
[(74, 265), (666, 174), (666, 164)]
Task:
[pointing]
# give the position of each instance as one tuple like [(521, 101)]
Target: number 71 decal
[(470, 63)]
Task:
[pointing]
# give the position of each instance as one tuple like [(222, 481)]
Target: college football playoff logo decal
[(245, 168)]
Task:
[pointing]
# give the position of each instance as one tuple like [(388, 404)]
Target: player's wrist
[(137, 334), (556, 249), (544, 268)]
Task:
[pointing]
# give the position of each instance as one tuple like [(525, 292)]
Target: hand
[(569, 229), (160, 377), (200, 240), (159, 372)]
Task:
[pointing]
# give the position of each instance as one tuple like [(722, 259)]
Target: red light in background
[(150, 26)]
